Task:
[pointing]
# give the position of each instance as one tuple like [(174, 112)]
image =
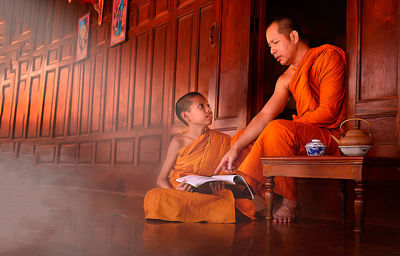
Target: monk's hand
[(184, 186), (216, 186), (226, 164)]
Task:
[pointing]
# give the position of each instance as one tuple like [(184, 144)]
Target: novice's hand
[(184, 186), (226, 164)]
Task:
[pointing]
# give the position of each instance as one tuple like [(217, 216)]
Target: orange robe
[(200, 157), (318, 89)]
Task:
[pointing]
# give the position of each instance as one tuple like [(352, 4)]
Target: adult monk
[(315, 78)]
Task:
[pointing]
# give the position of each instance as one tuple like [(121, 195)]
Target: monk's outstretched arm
[(270, 110), (332, 91)]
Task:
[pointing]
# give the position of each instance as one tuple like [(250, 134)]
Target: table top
[(344, 167), (313, 159)]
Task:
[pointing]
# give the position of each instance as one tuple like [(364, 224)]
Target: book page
[(196, 180)]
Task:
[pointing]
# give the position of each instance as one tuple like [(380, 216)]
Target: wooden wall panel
[(61, 100), (101, 35), (35, 108), (48, 103), (22, 102), (66, 52), (73, 112), (86, 107), (41, 10), (67, 154), (23, 67), (46, 154), (97, 93), (69, 14), (183, 58), (16, 30), (103, 152), (58, 16), (8, 147), (143, 14), (124, 90), (85, 153), (5, 121), (383, 131), (378, 49), (161, 7), (142, 54), (182, 3), (150, 150), (52, 56), (157, 86), (112, 82), (7, 104), (26, 150), (37, 63), (27, 17), (125, 149)]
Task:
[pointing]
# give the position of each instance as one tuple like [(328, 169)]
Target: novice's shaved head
[(184, 103)]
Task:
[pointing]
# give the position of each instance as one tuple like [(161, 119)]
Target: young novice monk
[(198, 151)]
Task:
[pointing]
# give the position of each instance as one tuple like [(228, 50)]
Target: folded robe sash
[(200, 157), (318, 87)]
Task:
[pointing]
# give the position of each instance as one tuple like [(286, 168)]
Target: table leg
[(359, 206), (343, 199), (269, 197)]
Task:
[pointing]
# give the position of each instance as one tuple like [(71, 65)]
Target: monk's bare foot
[(287, 212)]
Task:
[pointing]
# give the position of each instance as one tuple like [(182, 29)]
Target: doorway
[(323, 22)]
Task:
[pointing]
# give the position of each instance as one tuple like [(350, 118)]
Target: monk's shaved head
[(286, 25), (184, 103)]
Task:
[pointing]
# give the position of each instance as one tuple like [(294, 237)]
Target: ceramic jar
[(315, 148)]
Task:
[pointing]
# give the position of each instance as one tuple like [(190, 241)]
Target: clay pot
[(354, 136)]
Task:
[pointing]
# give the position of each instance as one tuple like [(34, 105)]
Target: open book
[(237, 180)]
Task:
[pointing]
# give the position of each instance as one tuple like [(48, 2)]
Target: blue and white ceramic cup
[(315, 148)]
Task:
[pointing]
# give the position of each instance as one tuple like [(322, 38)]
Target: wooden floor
[(43, 220), (40, 219)]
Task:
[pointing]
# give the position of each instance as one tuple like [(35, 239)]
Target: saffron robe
[(200, 157), (318, 89)]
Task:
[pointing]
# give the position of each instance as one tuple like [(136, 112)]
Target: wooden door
[(373, 68), (212, 57)]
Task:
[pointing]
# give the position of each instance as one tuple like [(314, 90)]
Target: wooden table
[(324, 167)]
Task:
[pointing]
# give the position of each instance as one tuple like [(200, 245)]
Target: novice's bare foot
[(287, 212)]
